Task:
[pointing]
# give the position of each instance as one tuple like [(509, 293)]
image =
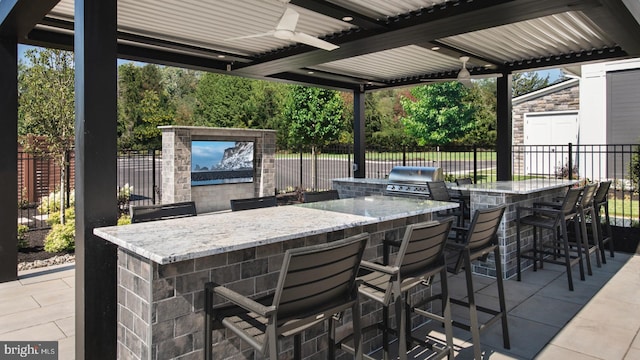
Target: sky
[(554, 74), (208, 153)]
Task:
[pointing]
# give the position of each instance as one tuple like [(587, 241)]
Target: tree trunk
[(63, 183)]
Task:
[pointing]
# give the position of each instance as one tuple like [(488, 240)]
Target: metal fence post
[(404, 155), (475, 164), (153, 175), (570, 161), (301, 169)]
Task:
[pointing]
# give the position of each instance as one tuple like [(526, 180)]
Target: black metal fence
[(300, 171), (588, 163), (140, 172), (39, 184)]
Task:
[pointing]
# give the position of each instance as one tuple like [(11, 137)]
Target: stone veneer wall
[(351, 187), (507, 233), (562, 100), (176, 166), (169, 320)]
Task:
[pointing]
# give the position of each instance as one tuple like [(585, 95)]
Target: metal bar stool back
[(601, 202), (315, 283), (480, 241), (554, 219), (586, 208), (420, 256)]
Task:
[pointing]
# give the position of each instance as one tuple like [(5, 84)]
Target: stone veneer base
[(160, 307)]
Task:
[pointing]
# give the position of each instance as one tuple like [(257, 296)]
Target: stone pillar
[(176, 166)]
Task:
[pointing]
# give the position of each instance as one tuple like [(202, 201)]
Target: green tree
[(483, 133), (315, 117), (439, 114), (222, 101), (135, 84), (46, 100), (152, 115), (180, 86), (526, 82)]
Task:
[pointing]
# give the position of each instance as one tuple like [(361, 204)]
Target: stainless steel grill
[(412, 180)]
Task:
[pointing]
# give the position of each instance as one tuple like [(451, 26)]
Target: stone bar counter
[(512, 194), (163, 266)]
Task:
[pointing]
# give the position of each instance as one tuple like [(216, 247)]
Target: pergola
[(382, 44)]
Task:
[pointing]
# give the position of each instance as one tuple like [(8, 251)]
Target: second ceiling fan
[(464, 76)]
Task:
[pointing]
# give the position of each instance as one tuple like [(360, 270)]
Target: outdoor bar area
[(163, 266), (142, 291)]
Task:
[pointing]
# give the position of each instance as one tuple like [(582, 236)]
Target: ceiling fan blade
[(438, 80), (486, 76), (268, 33), (288, 20), (313, 41)]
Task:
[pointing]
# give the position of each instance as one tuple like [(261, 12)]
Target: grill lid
[(415, 174)]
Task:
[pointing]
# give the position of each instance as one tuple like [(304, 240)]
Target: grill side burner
[(412, 180)]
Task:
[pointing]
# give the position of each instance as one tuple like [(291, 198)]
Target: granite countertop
[(175, 240), (522, 187)]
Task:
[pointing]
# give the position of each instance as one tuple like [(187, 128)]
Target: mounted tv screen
[(221, 162)]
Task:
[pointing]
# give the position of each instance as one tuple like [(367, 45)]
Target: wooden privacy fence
[(39, 175)]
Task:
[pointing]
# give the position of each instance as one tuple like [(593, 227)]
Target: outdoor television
[(216, 162)]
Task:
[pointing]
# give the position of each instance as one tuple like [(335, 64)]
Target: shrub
[(61, 237), (22, 236), (51, 204), (54, 218), (124, 219), (124, 195)]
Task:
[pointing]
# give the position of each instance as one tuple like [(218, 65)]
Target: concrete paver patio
[(598, 320)]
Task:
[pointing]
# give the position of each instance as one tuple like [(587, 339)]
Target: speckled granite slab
[(175, 240), (522, 187)]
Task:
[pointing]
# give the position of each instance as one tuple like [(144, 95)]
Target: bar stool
[(601, 201), (465, 197), (438, 191), (315, 283), (586, 208), (480, 241), (554, 219), (580, 234), (420, 256)]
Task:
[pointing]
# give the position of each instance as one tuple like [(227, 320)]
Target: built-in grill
[(412, 180)]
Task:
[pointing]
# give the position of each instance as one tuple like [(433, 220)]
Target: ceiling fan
[(286, 30), (464, 77)]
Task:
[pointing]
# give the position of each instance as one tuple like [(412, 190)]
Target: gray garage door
[(623, 116)]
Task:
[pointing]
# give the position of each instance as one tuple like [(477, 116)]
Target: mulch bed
[(35, 250)]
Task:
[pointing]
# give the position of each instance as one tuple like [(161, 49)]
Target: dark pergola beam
[(504, 125), (435, 23), (96, 112), (169, 58), (8, 160), (567, 59), (18, 17)]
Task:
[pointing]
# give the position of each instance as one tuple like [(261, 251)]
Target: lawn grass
[(626, 208), (396, 156)]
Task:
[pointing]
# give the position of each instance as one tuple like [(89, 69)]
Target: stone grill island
[(163, 266)]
